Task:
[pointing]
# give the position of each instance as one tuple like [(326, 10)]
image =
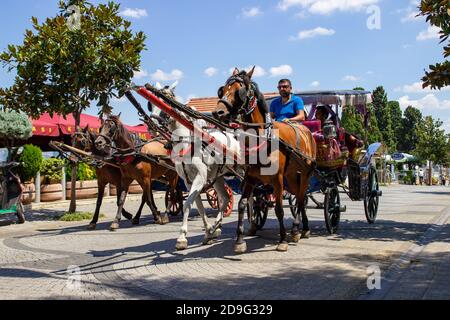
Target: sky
[(318, 44)]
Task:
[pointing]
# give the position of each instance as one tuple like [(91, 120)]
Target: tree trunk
[(73, 191), (430, 169)]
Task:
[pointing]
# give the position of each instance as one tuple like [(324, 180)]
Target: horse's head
[(235, 96), (82, 140), (109, 133)]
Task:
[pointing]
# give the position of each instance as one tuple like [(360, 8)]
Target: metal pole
[(64, 183), (37, 183)]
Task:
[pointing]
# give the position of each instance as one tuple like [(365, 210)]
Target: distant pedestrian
[(421, 175)]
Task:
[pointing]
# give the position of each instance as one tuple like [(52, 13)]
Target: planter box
[(51, 192), (84, 190), (135, 188), (29, 193)]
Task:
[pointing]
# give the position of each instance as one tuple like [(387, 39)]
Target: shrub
[(51, 170), (15, 126), (84, 173), (32, 159)]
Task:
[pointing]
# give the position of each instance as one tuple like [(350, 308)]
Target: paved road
[(410, 244)]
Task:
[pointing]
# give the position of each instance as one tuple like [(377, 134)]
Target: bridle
[(82, 139), (111, 136), (246, 96)]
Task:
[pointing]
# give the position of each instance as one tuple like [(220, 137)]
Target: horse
[(134, 167), (199, 168), (240, 96), (84, 140)]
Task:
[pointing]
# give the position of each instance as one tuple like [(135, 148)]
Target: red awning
[(51, 126)]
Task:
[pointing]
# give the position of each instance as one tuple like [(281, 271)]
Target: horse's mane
[(262, 104), (123, 132)]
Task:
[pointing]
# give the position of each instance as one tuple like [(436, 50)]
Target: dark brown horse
[(241, 97), (113, 133), (85, 140)]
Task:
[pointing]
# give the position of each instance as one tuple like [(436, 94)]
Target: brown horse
[(136, 168), (241, 97), (84, 140)]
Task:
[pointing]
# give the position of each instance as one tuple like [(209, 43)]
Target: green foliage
[(84, 172), (373, 132), (408, 131), (62, 70), (381, 108), (77, 216), (433, 144), (437, 13), (32, 160), (51, 170), (352, 121), (408, 178), (14, 126), (396, 120)]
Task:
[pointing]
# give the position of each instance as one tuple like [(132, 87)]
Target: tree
[(433, 144), (408, 131), (381, 109), (373, 132), (437, 14), (15, 129), (396, 119), (82, 55)]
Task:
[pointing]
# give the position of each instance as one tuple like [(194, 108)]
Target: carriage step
[(343, 209), (377, 193)]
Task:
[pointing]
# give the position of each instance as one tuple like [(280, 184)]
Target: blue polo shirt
[(288, 110)]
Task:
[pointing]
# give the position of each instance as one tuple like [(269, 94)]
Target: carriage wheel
[(293, 204), (213, 200), (332, 209), (372, 199), (20, 213), (258, 210), (175, 198)]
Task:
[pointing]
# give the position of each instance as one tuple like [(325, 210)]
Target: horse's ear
[(86, 129), (235, 72), (250, 73), (174, 85), (119, 115)]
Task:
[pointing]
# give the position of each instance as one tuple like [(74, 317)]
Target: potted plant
[(31, 159), (86, 185), (51, 175)]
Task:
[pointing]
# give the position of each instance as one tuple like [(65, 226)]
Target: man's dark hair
[(285, 81)]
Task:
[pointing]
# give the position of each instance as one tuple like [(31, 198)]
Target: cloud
[(140, 74), (430, 102), (324, 7), (315, 84), (306, 34), (283, 70), (411, 16), (160, 75), (417, 87), (431, 33), (259, 71), (251, 12), (447, 125), (211, 72), (351, 78), (134, 13)]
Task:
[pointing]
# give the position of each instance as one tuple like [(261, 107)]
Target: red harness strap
[(123, 161)]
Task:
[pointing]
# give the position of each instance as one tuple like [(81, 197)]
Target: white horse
[(200, 168)]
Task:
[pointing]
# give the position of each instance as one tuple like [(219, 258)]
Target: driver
[(287, 107)]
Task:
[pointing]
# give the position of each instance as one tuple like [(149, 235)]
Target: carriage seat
[(313, 125)]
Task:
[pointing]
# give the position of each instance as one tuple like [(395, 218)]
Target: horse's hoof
[(283, 247), (135, 222), (306, 234), (207, 242), (127, 216), (182, 245), (240, 248), (164, 220), (296, 237), (114, 227), (216, 234), (92, 227)]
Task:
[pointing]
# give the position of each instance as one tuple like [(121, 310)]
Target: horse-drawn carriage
[(342, 164), (11, 191)]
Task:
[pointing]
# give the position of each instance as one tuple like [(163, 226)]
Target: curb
[(50, 205)]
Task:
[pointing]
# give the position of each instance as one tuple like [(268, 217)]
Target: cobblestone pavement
[(409, 242)]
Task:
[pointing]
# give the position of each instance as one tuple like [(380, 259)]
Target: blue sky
[(319, 44)]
